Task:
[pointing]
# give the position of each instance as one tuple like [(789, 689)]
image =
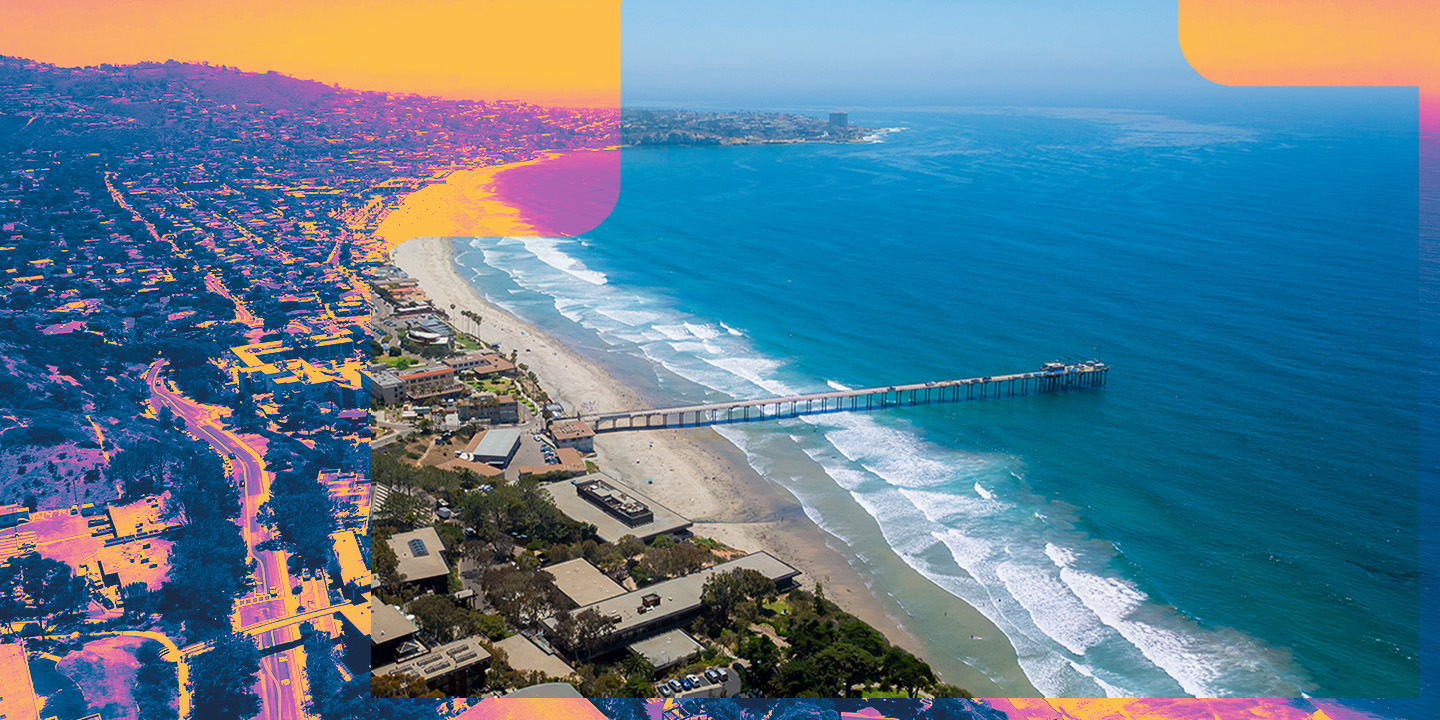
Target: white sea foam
[(1053, 608), (632, 318), (982, 492), (549, 252), (1115, 601), (704, 331)]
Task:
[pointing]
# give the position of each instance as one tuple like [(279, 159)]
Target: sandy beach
[(693, 471)]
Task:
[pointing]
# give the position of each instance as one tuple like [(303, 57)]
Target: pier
[(1053, 377)]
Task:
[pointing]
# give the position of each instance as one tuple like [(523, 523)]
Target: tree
[(401, 685), (584, 632), (808, 636), (209, 568), (905, 671), (222, 680), (858, 633), (156, 684), (764, 657), (437, 616), (722, 592), (320, 671), (40, 588), (850, 664), (301, 517), (637, 665), (138, 600)]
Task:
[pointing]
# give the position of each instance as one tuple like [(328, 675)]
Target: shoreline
[(696, 472)]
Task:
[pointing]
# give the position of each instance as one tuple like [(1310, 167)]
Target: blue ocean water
[(1236, 514)]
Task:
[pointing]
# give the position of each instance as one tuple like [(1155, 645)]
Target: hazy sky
[(904, 52)]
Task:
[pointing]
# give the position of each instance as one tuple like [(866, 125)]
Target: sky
[(904, 52)]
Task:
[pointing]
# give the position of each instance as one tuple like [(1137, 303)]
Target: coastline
[(702, 476)]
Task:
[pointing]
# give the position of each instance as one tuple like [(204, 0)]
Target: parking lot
[(728, 685)]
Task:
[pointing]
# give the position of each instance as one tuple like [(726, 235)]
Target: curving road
[(281, 681)]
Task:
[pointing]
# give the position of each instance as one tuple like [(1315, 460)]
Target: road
[(281, 682)]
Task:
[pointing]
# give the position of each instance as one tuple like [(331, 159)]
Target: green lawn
[(777, 606), (885, 694), (399, 363)]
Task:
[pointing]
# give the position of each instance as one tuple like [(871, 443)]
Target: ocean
[(1235, 514)]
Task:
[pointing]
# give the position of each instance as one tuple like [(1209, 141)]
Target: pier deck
[(1079, 376)]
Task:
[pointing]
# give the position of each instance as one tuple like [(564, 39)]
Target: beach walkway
[(1054, 377)]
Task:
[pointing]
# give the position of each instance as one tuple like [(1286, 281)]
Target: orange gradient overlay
[(556, 52), (1317, 42)]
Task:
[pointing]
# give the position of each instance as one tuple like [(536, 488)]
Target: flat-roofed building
[(454, 668), (386, 386), (524, 655), (573, 434), (626, 508), (432, 381), (421, 561), (12, 515), (666, 605), (582, 583), (393, 637), (17, 689), (141, 519), (489, 408), (666, 650), (354, 576), (546, 691), (608, 527), (495, 446)]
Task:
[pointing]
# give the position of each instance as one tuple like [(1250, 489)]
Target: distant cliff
[(647, 127)]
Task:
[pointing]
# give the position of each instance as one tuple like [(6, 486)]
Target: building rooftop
[(681, 595), (608, 527), (420, 556), (388, 624), (494, 443), (548, 691), (441, 661), (582, 582), (667, 648), (143, 516), (570, 430), (17, 691), (523, 655), (351, 561)]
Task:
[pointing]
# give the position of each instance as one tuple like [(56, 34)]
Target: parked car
[(665, 690), (712, 675), (695, 680), (676, 686)]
